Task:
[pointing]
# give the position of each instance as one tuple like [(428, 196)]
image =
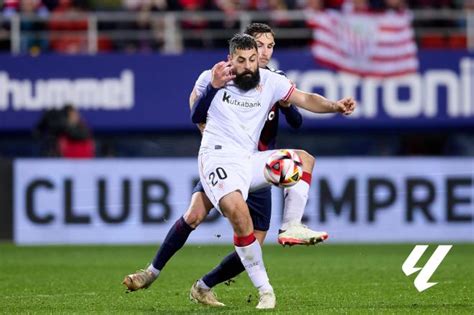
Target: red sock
[(244, 240), (306, 177)]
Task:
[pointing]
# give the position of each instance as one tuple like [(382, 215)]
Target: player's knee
[(233, 206), (237, 216), (307, 159), (241, 221), (194, 216)]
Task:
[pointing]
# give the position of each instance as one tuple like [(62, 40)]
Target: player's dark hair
[(242, 42), (258, 28)]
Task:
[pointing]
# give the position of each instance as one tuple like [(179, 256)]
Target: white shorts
[(222, 172)]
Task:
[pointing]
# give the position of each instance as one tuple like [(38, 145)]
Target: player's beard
[(247, 82)]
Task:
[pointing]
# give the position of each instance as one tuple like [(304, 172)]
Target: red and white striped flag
[(366, 44)]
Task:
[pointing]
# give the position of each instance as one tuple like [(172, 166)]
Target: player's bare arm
[(319, 104)]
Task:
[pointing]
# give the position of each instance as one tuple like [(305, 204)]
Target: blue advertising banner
[(150, 92)]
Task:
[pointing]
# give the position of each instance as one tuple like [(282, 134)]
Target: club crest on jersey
[(259, 88), (226, 98)]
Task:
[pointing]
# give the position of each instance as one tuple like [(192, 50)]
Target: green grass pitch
[(326, 279)]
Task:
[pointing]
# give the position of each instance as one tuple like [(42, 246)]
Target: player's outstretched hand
[(221, 74), (346, 106)]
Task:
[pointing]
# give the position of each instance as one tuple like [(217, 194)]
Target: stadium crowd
[(61, 25), (10, 6)]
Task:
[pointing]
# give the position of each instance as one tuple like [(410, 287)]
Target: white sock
[(251, 257), (296, 198), (202, 285), (153, 270)]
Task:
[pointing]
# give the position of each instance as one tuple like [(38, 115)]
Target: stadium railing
[(167, 32)]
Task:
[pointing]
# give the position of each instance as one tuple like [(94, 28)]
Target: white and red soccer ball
[(283, 168)]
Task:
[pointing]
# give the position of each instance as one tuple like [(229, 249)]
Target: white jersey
[(235, 118)]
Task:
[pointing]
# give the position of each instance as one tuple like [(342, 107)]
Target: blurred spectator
[(468, 7), (63, 133), (34, 13), (75, 127), (278, 15), (395, 5), (69, 26), (10, 8), (132, 5), (75, 141), (138, 5), (196, 23), (47, 131), (356, 6), (231, 10), (314, 5), (146, 24)]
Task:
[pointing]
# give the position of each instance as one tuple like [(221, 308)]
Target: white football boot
[(203, 296), (267, 300), (299, 234)]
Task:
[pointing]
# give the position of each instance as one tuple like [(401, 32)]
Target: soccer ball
[(283, 168)]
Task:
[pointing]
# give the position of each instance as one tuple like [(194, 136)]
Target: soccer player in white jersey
[(259, 202), (237, 95)]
